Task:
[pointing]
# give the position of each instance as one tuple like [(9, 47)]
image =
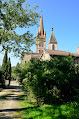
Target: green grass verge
[(65, 111)]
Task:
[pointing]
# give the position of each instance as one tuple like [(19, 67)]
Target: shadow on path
[(17, 109), (9, 101), (13, 87)]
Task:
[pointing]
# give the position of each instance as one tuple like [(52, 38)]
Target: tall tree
[(5, 66), (9, 70), (16, 14), (2, 81)]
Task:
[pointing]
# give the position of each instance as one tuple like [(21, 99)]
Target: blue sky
[(64, 15)]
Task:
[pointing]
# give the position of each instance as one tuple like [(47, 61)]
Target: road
[(9, 101)]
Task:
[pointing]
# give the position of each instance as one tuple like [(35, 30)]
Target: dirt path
[(9, 101)]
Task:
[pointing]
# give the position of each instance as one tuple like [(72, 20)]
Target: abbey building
[(46, 54)]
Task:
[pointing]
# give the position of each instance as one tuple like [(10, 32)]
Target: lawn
[(65, 111)]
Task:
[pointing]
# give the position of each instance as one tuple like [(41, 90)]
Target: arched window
[(41, 44), (53, 47), (40, 51)]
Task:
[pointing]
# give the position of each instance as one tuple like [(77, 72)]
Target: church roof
[(52, 38), (61, 53)]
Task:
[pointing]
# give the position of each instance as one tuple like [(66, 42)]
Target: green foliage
[(51, 81), (5, 66), (16, 14), (17, 71), (13, 75), (64, 111), (2, 81)]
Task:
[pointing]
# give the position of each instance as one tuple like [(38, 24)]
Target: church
[(46, 54)]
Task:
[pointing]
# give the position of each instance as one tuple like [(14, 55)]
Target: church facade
[(46, 54)]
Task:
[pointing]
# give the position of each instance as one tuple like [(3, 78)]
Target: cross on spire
[(52, 27)]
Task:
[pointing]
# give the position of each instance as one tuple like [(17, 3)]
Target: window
[(41, 44), (53, 47), (25, 61), (75, 61), (40, 51)]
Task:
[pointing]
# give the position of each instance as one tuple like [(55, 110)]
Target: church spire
[(41, 37), (52, 38), (41, 29), (52, 45)]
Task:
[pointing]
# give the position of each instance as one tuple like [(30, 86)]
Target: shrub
[(51, 81)]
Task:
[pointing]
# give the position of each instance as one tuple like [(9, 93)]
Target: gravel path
[(9, 101)]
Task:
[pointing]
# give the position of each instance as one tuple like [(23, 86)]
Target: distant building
[(46, 54)]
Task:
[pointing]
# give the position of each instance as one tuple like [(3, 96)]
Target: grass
[(65, 111)]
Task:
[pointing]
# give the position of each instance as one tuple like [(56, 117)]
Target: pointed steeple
[(52, 45), (41, 37), (41, 29), (52, 38)]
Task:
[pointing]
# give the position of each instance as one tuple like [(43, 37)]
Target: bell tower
[(41, 37), (52, 45)]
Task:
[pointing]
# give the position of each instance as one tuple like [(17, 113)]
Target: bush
[(51, 81)]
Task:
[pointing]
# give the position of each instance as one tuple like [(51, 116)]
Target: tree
[(13, 75), (9, 70), (17, 70), (13, 15), (5, 66), (2, 82)]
